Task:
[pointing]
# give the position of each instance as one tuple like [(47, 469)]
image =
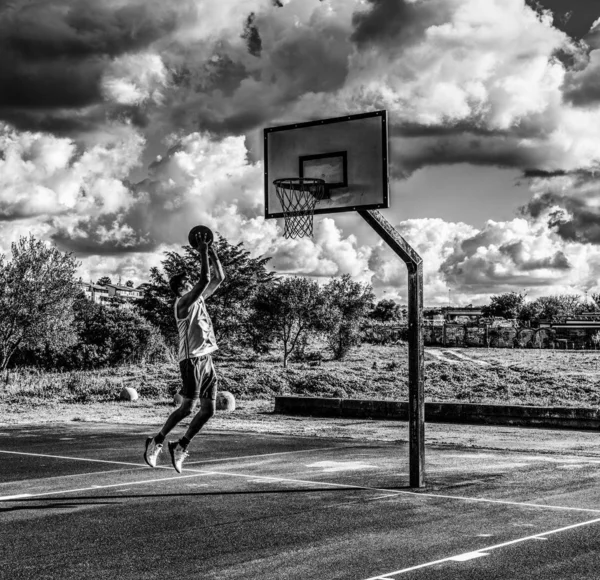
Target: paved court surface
[(77, 501)]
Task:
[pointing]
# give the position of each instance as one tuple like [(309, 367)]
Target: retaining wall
[(471, 413)]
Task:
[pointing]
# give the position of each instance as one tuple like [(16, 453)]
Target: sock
[(184, 442), (159, 439)]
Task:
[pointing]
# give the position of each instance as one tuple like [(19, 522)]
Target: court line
[(96, 487), (271, 454), (73, 458), (144, 465), (411, 493), (340, 485), (482, 551), (88, 473)]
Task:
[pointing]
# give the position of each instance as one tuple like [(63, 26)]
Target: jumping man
[(196, 343)]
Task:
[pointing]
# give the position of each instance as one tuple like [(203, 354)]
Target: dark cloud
[(517, 252), (531, 173), (78, 29), (310, 64), (222, 74), (582, 87), (54, 53), (575, 17), (393, 22), (252, 36), (305, 61), (482, 275), (94, 245), (500, 150), (585, 94), (572, 217)]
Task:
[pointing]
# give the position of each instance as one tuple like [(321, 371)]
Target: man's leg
[(154, 444), (178, 450), (207, 410), (184, 410)]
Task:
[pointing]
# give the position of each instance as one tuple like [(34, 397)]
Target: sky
[(124, 123)]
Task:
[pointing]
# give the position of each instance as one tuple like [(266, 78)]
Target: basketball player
[(196, 343)]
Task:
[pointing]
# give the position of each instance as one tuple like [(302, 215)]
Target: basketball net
[(298, 197)]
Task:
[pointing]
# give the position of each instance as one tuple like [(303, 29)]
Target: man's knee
[(208, 408), (186, 407)]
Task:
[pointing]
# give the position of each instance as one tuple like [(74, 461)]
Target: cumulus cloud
[(90, 92), (569, 204), (56, 54), (134, 79), (43, 175), (472, 264), (328, 253)]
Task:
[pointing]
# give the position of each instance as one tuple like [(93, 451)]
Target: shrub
[(105, 336)]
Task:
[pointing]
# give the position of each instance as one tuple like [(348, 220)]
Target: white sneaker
[(152, 452), (178, 455)]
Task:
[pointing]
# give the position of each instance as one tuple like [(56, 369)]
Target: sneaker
[(152, 452), (178, 455)]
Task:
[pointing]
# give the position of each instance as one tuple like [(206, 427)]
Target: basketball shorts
[(199, 378)]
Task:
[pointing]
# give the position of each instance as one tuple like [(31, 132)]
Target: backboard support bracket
[(416, 396)]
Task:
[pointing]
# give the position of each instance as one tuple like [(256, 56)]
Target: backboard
[(350, 153)]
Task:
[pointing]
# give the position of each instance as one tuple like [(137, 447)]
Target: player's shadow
[(89, 500), (54, 505)]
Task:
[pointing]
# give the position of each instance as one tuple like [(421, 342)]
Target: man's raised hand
[(203, 242)]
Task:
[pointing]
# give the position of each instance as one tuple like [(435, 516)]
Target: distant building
[(102, 294), (95, 292), (585, 321), (462, 314), (126, 292)]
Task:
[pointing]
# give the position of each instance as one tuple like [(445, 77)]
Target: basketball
[(128, 394), (199, 230), (225, 401)]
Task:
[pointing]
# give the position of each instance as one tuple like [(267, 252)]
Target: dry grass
[(527, 377)]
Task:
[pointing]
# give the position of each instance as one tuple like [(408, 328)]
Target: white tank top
[(196, 334)]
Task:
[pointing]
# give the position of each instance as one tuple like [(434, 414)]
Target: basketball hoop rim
[(299, 180)]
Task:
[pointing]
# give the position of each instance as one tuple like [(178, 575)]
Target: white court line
[(270, 454), (328, 484), (482, 551), (73, 458), (96, 487), (411, 493), (88, 473)]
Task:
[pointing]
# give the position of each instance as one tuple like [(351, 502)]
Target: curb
[(468, 413)]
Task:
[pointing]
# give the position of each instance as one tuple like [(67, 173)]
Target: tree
[(595, 305), (129, 284), (104, 281), (508, 305), (347, 303), (37, 290), (287, 311), (230, 306), (385, 311), (112, 336), (553, 308)]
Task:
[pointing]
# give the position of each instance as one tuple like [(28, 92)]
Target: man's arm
[(218, 273), (183, 306)]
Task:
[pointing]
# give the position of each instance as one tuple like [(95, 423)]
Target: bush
[(105, 336), (342, 341), (384, 333)]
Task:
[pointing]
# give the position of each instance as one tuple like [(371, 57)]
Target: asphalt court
[(77, 501)]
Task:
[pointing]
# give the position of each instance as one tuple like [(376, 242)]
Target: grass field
[(526, 377)]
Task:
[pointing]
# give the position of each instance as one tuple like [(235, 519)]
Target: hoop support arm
[(416, 397)]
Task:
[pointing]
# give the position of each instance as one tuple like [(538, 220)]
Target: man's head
[(178, 283)]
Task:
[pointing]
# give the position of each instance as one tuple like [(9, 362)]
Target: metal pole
[(416, 397)]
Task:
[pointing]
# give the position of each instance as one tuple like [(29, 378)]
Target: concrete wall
[(473, 413)]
